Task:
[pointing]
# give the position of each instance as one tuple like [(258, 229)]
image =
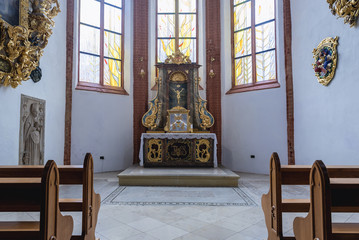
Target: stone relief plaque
[(32, 131)]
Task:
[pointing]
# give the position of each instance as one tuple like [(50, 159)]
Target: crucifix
[(178, 92)]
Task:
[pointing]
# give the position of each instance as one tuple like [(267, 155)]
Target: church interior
[(179, 119)]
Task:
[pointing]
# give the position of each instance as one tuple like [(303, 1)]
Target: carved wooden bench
[(90, 203), (40, 193), (274, 205), (325, 195)]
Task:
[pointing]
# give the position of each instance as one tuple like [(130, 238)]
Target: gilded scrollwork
[(149, 119), (178, 58), (154, 150), (22, 46), (207, 119), (347, 9), (202, 150)]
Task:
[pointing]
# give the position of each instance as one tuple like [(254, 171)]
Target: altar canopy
[(178, 108)]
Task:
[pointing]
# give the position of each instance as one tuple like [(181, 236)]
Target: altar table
[(178, 150)]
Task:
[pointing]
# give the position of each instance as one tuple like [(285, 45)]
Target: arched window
[(176, 28), (101, 46), (253, 45)]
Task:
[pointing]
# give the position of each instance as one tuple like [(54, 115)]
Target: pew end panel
[(271, 202), (317, 224), (89, 204), (37, 194), (54, 224), (91, 201)]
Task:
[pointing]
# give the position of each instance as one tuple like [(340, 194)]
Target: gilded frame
[(326, 57), (182, 112), (21, 46), (23, 13)]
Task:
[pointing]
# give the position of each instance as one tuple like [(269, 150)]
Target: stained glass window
[(254, 42), (176, 28), (100, 45)]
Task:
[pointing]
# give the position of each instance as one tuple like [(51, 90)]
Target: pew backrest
[(274, 205), (41, 193), (68, 175), (327, 194)]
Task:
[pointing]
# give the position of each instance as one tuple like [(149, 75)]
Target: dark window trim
[(100, 87), (254, 86)]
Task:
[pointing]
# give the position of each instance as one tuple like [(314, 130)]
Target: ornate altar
[(178, 108), (178, 150)]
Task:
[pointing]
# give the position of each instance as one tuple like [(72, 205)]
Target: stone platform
[(184, 177)]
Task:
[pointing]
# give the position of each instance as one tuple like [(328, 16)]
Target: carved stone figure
[(32, 131)]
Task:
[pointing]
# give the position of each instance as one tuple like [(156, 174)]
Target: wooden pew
[(89, 205), (274, 205), (40, 193), (325, 194)]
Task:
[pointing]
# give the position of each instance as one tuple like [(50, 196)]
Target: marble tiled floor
[(183, 221)]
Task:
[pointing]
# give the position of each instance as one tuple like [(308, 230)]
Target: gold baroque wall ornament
[(347, 9), (326, 57), (21, 46)]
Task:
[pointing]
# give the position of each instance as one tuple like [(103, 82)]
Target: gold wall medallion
[(347, 9), (21, 46), (326, 57)]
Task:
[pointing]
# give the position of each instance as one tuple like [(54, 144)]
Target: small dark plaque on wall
[(9, 11)]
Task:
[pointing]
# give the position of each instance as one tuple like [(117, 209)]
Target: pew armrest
[(346, 228), (295, 205), (70, 204), (19, 227)]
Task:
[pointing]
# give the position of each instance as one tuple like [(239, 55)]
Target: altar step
[(184, 177)]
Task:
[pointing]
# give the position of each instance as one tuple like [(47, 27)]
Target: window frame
[(176, 31), (267, 84), (100, 87)]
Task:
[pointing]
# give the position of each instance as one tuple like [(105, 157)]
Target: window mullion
[(176, 25), (253, 29), (102, 40)]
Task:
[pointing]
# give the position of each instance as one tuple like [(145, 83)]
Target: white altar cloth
[(180, 136)]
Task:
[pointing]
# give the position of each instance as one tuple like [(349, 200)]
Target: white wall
[(253, 123), (102, 123), (51, 88), (326, 118)]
